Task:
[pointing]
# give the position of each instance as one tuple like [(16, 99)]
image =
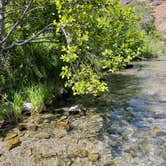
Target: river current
[(137, 106)]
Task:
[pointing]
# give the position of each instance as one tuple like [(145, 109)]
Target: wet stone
[(32, 127), (81, 153), (42, 135), (161, 134), (13, 143), (11, 135), (93, 156)]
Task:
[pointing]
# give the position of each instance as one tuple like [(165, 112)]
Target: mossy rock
[(93, 156), (11, 135), (81, 153), (63, 123), (13, 143)]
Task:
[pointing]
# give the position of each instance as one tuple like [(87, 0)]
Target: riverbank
[(56, 139)]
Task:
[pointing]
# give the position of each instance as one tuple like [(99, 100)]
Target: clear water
[(137, 104)]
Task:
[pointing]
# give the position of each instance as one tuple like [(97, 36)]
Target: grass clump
[(37, 95), (154, 47)]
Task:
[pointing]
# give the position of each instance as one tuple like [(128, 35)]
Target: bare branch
[(20, 43), (66, 37)]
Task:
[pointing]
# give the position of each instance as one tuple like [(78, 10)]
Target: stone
[(21, 127), (63, 123), (13, 143), (81, 153), (82, 162), (32, 127), (156, 129), (161, 134), (1, 138), (26, 108), (93, 156), (77, 110), (49, 155), (42, 135), (11, 135), (21, 134)]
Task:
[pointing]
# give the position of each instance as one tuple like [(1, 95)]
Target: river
[(137, 104)]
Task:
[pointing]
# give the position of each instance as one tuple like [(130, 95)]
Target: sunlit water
[(137, 104)]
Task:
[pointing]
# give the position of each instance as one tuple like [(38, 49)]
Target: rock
[(77, 109), (42, 135), (1, 138), (22, 133), (26, 108), (32, 127), (59, 132), (93, 156), (49, 155), (63, 123), (22, 127), (161, 134), (82, 162), (81, 153), (156, 129), (13, 143), (11, 135)]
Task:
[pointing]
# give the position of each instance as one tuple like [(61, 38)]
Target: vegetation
[(45, 44)]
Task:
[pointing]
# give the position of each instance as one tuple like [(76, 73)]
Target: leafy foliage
[(88, 36), (98, 34)]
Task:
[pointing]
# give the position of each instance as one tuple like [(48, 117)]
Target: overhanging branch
[(17, 22), (20, 43)]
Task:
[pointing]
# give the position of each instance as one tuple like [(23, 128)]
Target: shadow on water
[(126, 108)]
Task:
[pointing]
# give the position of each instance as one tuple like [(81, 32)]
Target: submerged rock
[(42, 135), (13, 143), (81, 153), (93, 156), (11, 135)]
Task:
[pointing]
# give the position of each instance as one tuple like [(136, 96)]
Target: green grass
[(37, 95), (154, 47)]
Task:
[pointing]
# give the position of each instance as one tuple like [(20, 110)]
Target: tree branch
[(66, 37), (20, 43), (17, 22)]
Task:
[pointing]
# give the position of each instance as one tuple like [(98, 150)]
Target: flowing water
[(137, 104)]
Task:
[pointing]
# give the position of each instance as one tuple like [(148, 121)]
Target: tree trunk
[(1, 20)]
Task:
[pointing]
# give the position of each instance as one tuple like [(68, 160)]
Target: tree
[(90, 36), (25, 25), (99, 34), (21, 11)]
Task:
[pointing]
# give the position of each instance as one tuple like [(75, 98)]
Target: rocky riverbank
[(56, 140)]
